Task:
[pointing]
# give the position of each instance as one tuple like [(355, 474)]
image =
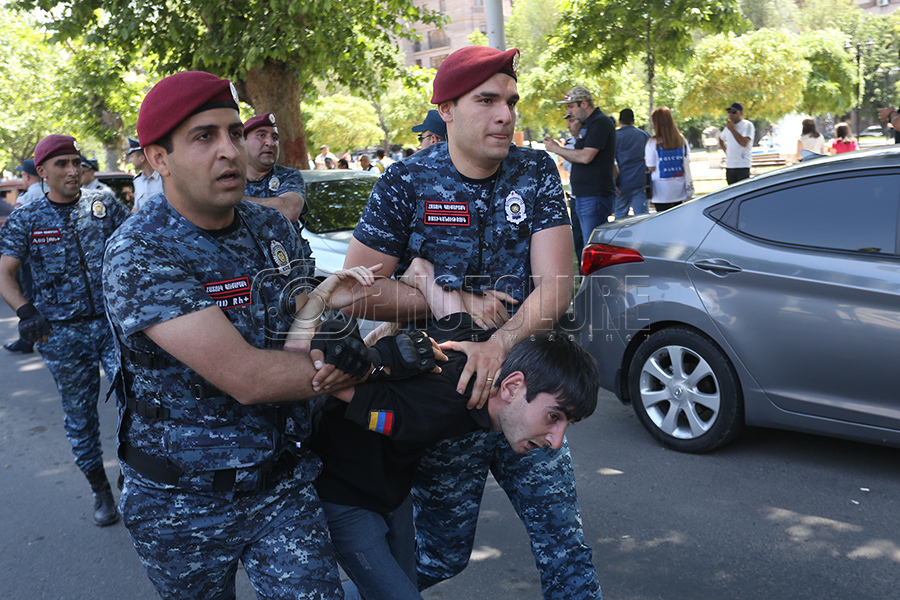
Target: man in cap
[(147, 183), (432, 130), (630, 143), (34, 189), (200, 288), (593, 178), (491, 218), (324, 152), (89, 181), (736, 140), (59, 240), (269, 183)]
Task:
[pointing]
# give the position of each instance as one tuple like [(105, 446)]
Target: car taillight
[(598, 256)]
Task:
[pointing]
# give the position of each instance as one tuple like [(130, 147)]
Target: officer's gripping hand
[(339, 345), (33, 327)]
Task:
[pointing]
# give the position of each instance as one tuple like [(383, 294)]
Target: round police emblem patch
[(280, 257), (98, 208), (515, 208), (273, 184)]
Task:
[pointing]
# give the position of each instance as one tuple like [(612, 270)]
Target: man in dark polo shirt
[(593, 178)]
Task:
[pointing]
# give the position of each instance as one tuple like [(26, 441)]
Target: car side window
[(859, 214)]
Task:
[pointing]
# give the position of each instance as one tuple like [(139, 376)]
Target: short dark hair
[(626, 116), (379, 153), (554, 363), (166, 142)]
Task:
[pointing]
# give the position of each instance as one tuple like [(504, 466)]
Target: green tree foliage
[(613, 31), (771, 14), (765, 70), (542, 87), (31, 91), (343, 123), (831, 85), (476, 38), (843, 15), (104, 92), (404, 106), (272, 48), (529, 28)]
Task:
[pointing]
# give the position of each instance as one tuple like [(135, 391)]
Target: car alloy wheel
[(685, 391)]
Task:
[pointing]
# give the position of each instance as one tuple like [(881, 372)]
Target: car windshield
[(336, 205)]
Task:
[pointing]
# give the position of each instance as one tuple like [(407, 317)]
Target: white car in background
[(336, 199)]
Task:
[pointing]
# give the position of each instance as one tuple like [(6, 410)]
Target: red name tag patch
[(231, 293), (446, 213), (45, 236)]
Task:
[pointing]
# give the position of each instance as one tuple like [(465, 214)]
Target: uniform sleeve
[(292, 181), (385, 224), (14, 235), (146, 283), (550, 206)]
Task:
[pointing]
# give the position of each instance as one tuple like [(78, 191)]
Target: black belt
[(270, 472)]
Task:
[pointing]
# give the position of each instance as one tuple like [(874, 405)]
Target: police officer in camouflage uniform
[(269, 183), (199, 285), (492, 219), (59, 239)]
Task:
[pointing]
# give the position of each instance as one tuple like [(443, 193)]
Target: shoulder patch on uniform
[(515, 208), (98, 209), (280, 257)]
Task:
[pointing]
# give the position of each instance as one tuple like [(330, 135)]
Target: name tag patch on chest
[(446, 213), (45, 236), (231, 293)]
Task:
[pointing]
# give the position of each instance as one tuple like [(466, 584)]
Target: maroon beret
[(469, 67), (266, 120), (54, 145), (179, 96)]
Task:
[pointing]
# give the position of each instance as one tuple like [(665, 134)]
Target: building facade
[(879, 7), (465, 17)]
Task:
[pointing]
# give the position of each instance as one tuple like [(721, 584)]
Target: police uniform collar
[(234, 226), (266, 174)]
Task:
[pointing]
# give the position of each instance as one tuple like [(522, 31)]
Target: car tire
[(685, 391)]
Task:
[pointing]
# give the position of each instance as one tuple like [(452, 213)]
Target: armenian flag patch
[(381, 421)]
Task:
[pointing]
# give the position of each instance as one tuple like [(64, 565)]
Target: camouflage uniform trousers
[(541, 487), (190, 542), (73, 354)]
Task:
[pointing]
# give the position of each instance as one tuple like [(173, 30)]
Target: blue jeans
[(541, 487), (593, 211), (635, 199), (376, 550)]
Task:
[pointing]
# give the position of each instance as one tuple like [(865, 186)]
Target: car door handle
[(717, 266)]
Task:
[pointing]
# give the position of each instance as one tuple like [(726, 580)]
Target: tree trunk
[(114, 149), (272, 88)]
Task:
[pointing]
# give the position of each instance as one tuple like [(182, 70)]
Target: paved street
[(776, 515)]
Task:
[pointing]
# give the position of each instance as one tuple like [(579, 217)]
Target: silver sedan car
[(774, 302)]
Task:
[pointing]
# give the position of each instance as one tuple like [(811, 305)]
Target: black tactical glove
[(32, 325), (343, 347), (406, 354)]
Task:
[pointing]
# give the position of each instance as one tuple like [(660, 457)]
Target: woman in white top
[(810, 140), (669, 161)]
